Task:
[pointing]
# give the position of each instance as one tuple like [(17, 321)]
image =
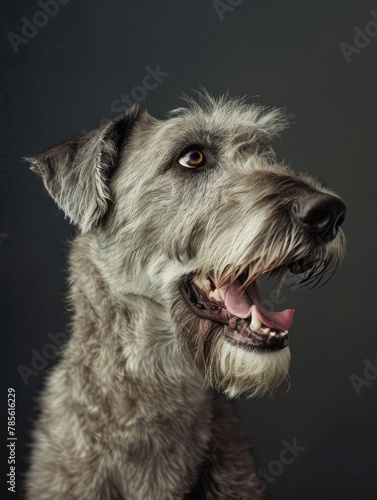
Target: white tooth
[(272, 333), (256, 323), (283, 334), (203, 283), (265, 330), (215, 295), (206, 285)]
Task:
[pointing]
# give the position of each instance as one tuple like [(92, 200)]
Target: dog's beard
[(223, 366), (247, 372)]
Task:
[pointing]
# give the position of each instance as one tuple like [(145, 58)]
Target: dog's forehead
[(224, 124), (227, 118)]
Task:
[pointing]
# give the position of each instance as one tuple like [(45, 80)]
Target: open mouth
[(241, 309)]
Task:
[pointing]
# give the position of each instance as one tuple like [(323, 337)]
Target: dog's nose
[(322, 215)]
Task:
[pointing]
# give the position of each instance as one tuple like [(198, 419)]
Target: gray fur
[(132, 410)]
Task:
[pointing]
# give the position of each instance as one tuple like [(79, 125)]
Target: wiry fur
[(132, 409)]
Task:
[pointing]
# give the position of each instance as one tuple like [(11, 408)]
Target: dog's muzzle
[(238, 304)]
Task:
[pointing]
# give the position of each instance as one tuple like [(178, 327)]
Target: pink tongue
[(239, 303)]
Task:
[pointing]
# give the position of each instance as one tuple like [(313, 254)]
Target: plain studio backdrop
[(68, 65)]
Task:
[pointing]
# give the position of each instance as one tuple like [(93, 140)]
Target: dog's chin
[(231, 353), (249, 372)]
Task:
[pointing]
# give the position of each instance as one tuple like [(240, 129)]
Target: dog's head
[(191, 211)]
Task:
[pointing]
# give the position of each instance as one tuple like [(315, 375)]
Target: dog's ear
[(76, 172)]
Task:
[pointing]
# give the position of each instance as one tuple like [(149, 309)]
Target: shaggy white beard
[(237, 371)]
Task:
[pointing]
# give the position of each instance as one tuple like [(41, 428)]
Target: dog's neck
[(137, 346)]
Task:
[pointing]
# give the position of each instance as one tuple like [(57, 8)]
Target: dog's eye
[(192, 159)]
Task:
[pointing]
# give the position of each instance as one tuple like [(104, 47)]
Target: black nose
[(322, 215)]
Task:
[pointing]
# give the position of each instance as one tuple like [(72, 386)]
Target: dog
[(177, 220)]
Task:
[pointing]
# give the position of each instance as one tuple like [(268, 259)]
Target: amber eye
[(192, 159)]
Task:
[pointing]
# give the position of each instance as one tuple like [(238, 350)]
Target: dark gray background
[(65, 79)]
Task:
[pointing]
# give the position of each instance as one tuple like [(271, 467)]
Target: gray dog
[(178, 219)]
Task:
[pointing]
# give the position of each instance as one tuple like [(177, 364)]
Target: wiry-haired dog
[(178, 220)]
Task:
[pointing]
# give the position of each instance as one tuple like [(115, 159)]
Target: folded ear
[(76, 172)]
